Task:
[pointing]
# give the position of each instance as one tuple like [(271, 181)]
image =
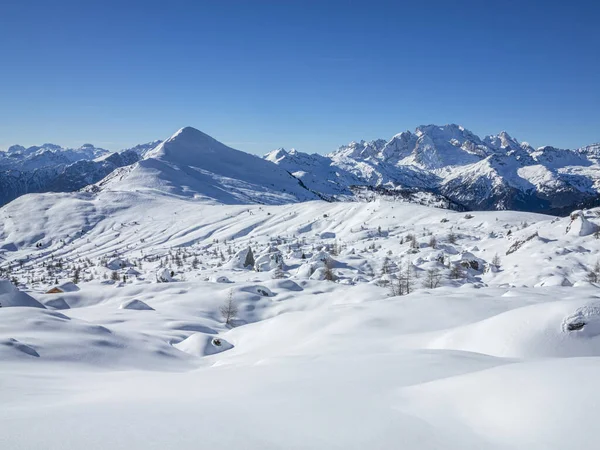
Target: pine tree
[(496, 262)]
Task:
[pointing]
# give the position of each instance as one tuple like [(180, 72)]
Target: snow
[(502, 355), (11, 296), (136, 304)]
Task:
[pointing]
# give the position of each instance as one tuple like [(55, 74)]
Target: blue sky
[(306, 74)]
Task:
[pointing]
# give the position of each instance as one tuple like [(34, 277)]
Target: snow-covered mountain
[(496, 172), (194, 165), (51, 168), (441, 164)]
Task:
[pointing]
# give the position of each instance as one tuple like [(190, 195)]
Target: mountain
[(496, 172), (142, 149), (192, 164), (51, 168), (438, 165)]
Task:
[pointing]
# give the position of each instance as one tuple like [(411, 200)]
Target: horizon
[(233, 144), (306, 75)]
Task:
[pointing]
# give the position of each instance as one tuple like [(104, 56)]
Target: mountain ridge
[(496, 172), (446, 164)]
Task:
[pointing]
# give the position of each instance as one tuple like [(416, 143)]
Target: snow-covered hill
[(496, 172)]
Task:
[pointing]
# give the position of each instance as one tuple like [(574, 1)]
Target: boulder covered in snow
[(200, 344), (118, 263), (164, 276), (305, 270), (268, 261), (136, 305), (243, 259), (320, 274), (470, 262), (554, 280), (322, 259), (219, 279), (580, 226)]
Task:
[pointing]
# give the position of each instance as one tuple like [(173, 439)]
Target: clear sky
[(312, 75)]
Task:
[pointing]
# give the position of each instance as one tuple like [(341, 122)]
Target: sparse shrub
[(456, 272), (432, 242), (328, 274), (452, 238)]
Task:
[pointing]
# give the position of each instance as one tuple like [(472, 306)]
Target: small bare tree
[(456, 272), (433, 278), (385, 268), (406, 278), (414, 244), (593, 275), (395, 286), (229, 310)]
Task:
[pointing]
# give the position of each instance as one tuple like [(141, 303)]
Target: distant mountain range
[(496, 172), (52, 168), (446, 166)]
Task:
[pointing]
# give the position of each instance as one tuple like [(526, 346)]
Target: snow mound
[(260, 290), (136, 304), (57, 303), (287, 285), (554, 280), (13, 343), (219, 279), (557, 329), (11, 296), (199, 344), (69, 286)]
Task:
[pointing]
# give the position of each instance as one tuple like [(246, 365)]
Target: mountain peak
[(187, 146)]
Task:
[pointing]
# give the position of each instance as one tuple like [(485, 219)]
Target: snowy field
[(375, 325)]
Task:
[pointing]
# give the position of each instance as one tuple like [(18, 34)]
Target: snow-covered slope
[(194, 165), (496, 346)]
